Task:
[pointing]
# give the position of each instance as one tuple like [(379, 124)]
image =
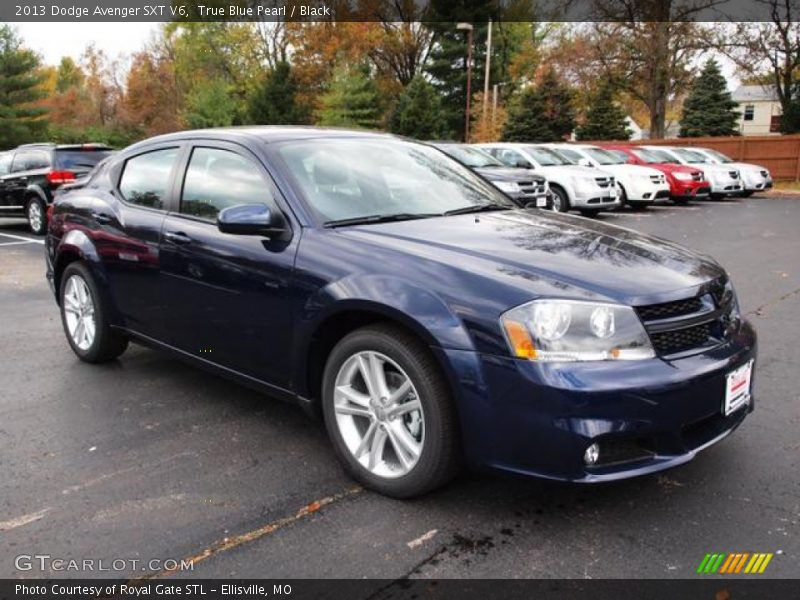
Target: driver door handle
[(177, 237)]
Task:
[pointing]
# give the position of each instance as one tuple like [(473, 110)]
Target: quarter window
[(145, 178), (28, 161), (749, 112), (5, 163), (217, 179)]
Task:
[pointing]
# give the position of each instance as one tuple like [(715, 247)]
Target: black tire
[(747, 193), (440, 457), (35, 206), (590, 213), (717, 196), (638, 205), (680, 201), (107, 343), (560, 199)]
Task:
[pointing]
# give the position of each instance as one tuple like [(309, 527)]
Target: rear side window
[(217, 179), (5, 163), (79, 160), (28, 160), (145, 178)]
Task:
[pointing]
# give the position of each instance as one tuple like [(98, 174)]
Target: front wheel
[(389, 412), (84, 315), (36, 213), (560, 199)]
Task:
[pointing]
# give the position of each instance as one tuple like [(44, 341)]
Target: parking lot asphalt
[(147, 458)]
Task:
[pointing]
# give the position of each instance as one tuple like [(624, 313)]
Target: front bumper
[(687, 190), (726, 187), (755, 182), (646, 191), (538, 418), (596, 198)]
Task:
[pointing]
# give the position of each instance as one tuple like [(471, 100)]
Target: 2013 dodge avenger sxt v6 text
[(430, 320)]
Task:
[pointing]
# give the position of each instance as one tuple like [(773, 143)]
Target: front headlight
[(682, 176), (506, 186), (575, 330)]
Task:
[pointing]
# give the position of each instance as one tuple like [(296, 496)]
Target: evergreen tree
[(418, 113), (709, 108), (69, 75), (274, 102), (352, 100), (20, 120), (790, 119), (210, 104), (541, 114), (605, 120)]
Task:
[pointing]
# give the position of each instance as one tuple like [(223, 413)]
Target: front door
[(227, 297)]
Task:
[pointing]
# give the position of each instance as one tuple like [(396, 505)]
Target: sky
[(54, 40)]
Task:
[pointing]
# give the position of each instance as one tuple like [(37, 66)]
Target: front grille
[(697, 176), (531, 188), (615, 451), (668, 310), (657, 179), (734, 174), (690, 323), (678, 340)]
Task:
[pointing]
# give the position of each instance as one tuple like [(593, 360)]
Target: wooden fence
[(778, 153)]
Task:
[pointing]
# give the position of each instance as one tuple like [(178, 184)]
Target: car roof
[(269, 134), (51, 145)]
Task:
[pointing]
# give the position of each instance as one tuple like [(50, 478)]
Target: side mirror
[(585, 162), (251, 219), (523, 164)]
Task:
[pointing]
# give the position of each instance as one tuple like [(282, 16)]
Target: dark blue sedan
[(431, 321)]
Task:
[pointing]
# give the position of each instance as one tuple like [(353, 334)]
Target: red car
[(685, 183)]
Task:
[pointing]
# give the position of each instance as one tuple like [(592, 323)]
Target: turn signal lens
[(519, 339)]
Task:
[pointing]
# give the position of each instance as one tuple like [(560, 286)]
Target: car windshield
[(604, 157), (372, 179), (691, 156), (571, 155), (472, 157), (718, 156), (650, 155), (546, 157), (80, 160)]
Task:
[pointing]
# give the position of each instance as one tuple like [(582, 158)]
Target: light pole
[(486, 74), (468, 28)]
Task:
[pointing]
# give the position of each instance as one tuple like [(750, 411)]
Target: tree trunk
[(659, 80)]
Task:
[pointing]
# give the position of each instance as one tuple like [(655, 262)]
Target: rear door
[(5, 169), (228, 298)]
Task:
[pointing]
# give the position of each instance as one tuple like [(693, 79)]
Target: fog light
[(592, 454)]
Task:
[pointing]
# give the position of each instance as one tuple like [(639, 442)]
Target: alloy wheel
[(379, 414), (79, 312), (35, 215)]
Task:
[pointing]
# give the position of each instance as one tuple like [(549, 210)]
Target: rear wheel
[(560, 199), (84, 314), (36, 212), (389, 412)]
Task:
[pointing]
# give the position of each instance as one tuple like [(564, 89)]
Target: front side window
[(652, 156), (723, 158), (512, 158), (571, 155), (217, 179), (359, 178), (547, 157), (605, 157), (145, 178), (692, 157), (472, 157)]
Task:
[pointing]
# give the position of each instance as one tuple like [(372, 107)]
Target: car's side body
[(266, 311), (685, 183), (585, 188)]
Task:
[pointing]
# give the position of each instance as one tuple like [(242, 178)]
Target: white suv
[(573, 186), (640, 186), (725, 181), (755, 178)]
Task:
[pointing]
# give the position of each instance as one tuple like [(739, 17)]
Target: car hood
[(575, 171), (509, 174), (715, 169), (551, 253), (744, 166)]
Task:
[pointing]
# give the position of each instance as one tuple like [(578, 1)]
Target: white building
[(759, 110)]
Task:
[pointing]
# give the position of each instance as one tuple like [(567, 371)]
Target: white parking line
[(20, 238), (15, 243)]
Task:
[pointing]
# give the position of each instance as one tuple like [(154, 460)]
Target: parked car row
[(30, 175), (593, 178)]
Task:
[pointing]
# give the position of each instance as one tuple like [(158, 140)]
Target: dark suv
[(30, 174)]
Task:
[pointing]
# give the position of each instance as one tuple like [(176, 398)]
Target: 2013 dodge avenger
[(430, 320)]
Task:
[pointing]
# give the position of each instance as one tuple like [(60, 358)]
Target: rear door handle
[(102, 217), (177, 237)]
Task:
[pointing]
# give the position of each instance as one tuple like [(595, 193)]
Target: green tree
[(790, 119), (709, 108), (418, 113), (69, 75), (210, 104), (605, 119), (352, 100), (274, 101), (20, 119), (541, 114)]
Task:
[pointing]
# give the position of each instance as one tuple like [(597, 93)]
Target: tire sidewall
[(372, 340), (37, 202), (563, 199)]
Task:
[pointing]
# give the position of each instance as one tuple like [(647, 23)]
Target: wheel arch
[(75, 246)]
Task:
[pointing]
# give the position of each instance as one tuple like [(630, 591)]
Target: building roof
[(755, 93)]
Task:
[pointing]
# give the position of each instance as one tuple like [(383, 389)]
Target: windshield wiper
[(475, 209), (369, 219)]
